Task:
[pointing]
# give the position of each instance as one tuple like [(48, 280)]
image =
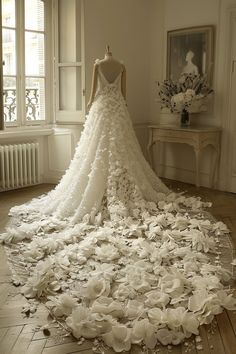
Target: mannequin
[(110, 68)]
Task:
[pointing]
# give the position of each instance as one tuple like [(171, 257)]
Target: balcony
[(32, 104)]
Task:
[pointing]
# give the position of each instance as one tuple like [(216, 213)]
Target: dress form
[(110, 68)]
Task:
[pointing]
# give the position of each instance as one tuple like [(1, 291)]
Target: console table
[(198, 137)]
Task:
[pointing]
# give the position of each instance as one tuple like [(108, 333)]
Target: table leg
[(197, 156), (214, 169)]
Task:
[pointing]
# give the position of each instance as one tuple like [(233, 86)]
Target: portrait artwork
[(190, 51)]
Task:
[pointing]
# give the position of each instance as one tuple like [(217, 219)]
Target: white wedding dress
[(116, 254)]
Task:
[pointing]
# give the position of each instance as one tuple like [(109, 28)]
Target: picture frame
[(190, 50)]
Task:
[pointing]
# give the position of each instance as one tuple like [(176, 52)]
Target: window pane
[(34, 15), (70, 88), (8, 13), (69, 31), (35, 98), (9, 98), (34, 54), (9, 51)]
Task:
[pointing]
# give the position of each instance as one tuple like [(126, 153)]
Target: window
[(24, 71)]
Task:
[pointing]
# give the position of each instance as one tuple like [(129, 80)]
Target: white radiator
[(19, 165)]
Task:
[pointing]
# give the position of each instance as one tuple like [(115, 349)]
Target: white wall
[(124, 25), (222, 87), (156, 57), (178, 161)]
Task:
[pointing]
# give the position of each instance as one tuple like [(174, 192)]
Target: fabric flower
[(43, 281), (83, 323), (198, 300), (96, 287), (200, 241), (134, 309), (144, 331), (172, 285), (63, 305), (180, 317), (227, 301), (165, 336), (156, 298), (180, 223), (123, 292), (119, 338), (205, 307), (107, 306), (106, 253), (137, 279), (156, 316)]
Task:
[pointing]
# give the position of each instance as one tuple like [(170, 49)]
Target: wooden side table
[(197, 137)]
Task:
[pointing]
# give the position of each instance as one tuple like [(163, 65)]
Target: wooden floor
[(20, 334)]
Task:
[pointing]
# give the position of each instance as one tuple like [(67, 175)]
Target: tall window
[(23, 37)]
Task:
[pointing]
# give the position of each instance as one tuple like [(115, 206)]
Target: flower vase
[(185, 118)]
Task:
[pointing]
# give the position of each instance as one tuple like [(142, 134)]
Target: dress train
[(112, 251)]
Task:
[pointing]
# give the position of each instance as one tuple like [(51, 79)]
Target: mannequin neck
[(108, 55)]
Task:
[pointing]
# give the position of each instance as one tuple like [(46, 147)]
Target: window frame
[(21, 120)]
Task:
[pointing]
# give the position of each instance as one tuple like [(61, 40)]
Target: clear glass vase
[(185, 121)]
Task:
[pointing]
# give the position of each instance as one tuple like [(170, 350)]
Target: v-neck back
[(105, 79)]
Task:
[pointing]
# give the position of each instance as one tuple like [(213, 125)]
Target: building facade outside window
[(24, 69)]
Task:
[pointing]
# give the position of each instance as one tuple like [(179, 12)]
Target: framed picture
[(190, 50)]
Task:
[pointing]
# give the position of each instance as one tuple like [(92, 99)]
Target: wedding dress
[(115, 253)]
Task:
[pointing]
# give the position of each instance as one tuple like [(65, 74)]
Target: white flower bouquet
[(190, 93)]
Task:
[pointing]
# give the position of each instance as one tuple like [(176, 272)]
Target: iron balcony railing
[(32, 104)]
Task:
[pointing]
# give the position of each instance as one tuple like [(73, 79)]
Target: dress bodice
[(103, 82)]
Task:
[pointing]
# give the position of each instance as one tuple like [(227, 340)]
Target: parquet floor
[(20, 334)]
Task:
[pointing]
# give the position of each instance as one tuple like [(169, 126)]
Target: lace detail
[(132, 259)]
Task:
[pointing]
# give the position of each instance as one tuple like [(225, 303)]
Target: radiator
[(19, 165)]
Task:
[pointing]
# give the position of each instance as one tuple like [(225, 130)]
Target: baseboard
[(52, 177), (182, 175)]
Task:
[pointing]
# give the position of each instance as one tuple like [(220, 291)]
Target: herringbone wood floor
[(20, 334)]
